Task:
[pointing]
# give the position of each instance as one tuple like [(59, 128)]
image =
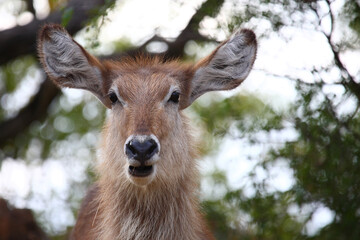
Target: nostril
[(153, 149), (141, 150), (131, 148)]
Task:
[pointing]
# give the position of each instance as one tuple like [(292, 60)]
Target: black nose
[(141, 151)]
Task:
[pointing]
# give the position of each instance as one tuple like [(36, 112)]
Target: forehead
[(146, 78), (144, 82)]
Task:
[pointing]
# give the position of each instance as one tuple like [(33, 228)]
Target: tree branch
[(36, 110), (348, 80), (190, 32), (21, 40), (30, 6)]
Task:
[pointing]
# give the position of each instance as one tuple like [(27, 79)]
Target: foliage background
[(313, 138)]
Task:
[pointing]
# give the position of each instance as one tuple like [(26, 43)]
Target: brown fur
[(172, 197), (165, 204)]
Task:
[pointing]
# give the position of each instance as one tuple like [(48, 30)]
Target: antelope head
[(146, 138)]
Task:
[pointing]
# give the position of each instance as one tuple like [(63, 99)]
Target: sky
[(292, 56)]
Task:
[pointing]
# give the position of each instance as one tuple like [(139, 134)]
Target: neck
[(156, 211)]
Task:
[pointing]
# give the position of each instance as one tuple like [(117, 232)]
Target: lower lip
[(142, 171)]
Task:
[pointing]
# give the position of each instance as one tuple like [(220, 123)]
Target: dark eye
[(174, 97), (113, 98)]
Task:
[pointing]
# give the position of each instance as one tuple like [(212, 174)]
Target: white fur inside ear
[(234, 59), (230, 65), (67, 64)]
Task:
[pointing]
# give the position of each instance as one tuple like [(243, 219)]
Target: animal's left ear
[(226, 67)]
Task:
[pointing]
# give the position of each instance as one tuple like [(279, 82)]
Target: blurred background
[(280, 155)]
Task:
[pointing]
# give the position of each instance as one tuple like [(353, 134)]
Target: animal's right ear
[(70, 65)]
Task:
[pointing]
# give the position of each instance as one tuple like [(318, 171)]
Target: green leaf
[(67, 14)]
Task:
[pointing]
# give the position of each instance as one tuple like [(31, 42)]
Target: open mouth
[(141, 171)]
